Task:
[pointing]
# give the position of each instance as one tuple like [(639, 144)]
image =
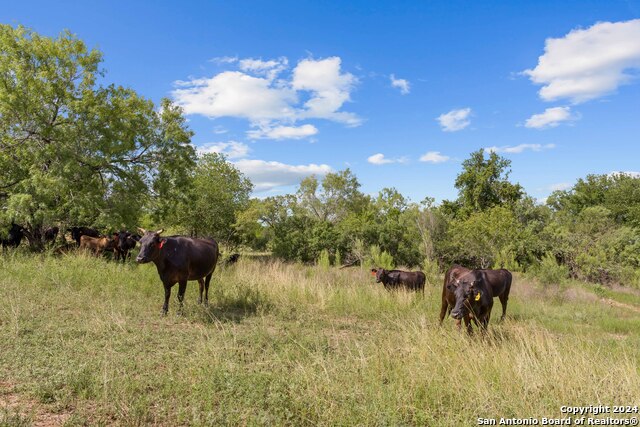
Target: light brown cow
[(97, 244)]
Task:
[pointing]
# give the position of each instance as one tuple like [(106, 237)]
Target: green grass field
[(82, 342)]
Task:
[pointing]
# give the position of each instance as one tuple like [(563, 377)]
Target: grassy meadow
[(82, 342)]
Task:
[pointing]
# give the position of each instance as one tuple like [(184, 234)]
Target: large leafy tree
[(219, 192), (73, 151), (483, 184)]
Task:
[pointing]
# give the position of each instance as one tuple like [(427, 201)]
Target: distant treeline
[(74, 152)]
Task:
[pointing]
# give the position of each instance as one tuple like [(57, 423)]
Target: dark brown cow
[(179, 259), (125, 242), (498, 280), (50, 234), (473, 298), (448, 297), (78, 232), (97, 244), (392, 279)]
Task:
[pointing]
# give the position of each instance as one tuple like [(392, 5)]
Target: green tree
[(218, 193), (483, 184), (72, 151)]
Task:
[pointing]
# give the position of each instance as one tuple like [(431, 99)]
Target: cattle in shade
[(233, 258), (179, 259), (98, 245), (14, 236), (125, 243), (50, 234), (393, 279), (474, 299), (78, 232)]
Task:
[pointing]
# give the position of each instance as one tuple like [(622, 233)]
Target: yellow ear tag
[(478, 296)]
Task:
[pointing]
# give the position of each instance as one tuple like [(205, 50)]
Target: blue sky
[(291, 88)]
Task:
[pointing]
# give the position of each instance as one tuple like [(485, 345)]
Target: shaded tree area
[(73, 151)]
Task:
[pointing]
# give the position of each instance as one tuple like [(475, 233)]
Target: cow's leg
[(206, 288), (201, 283), (182, 287), (467, 324), (504, 298), (167, 295), (443, 310)]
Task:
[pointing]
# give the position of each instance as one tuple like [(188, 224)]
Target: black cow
[(233, 258), (125, 241), (77, 232), (179, 259), (499, 281), (14, 236), (413, 280), (473, 298), (50, 234)]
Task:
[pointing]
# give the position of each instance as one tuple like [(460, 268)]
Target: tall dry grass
[(286, 344)]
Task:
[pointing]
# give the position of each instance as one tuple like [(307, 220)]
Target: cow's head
[(467, 290), (150, 245), (380, 273)]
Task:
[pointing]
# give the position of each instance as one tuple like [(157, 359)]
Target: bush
[(381, 259), (549, 272), (431, 270), (506, 259), (323, 260)]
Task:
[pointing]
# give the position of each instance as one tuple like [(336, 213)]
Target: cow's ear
[(160, 231), (141, 230)]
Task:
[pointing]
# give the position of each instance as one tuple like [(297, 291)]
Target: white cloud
[(401, 84), (560, 186), (232, 149), (235, 94), (283, 132), (455, 120), (329, 87), (519, 148), (224, 59), (269, 69), (264, 94), (270, 175), (588, 63), (551, 117), (434, 157), (380, 159)]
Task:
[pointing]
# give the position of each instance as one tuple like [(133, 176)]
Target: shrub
[(381, 259), (549, 272), (323, 260)]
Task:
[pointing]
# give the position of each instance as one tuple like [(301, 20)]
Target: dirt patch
[(15, 403), (620, 304)]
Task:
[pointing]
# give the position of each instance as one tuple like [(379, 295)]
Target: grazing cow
[(413, 280), (125, 242), (77, 232), (448, 297), (97, 244), (473, 298), (14, 236), (233, 258), (179, 259), (50, 234)]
